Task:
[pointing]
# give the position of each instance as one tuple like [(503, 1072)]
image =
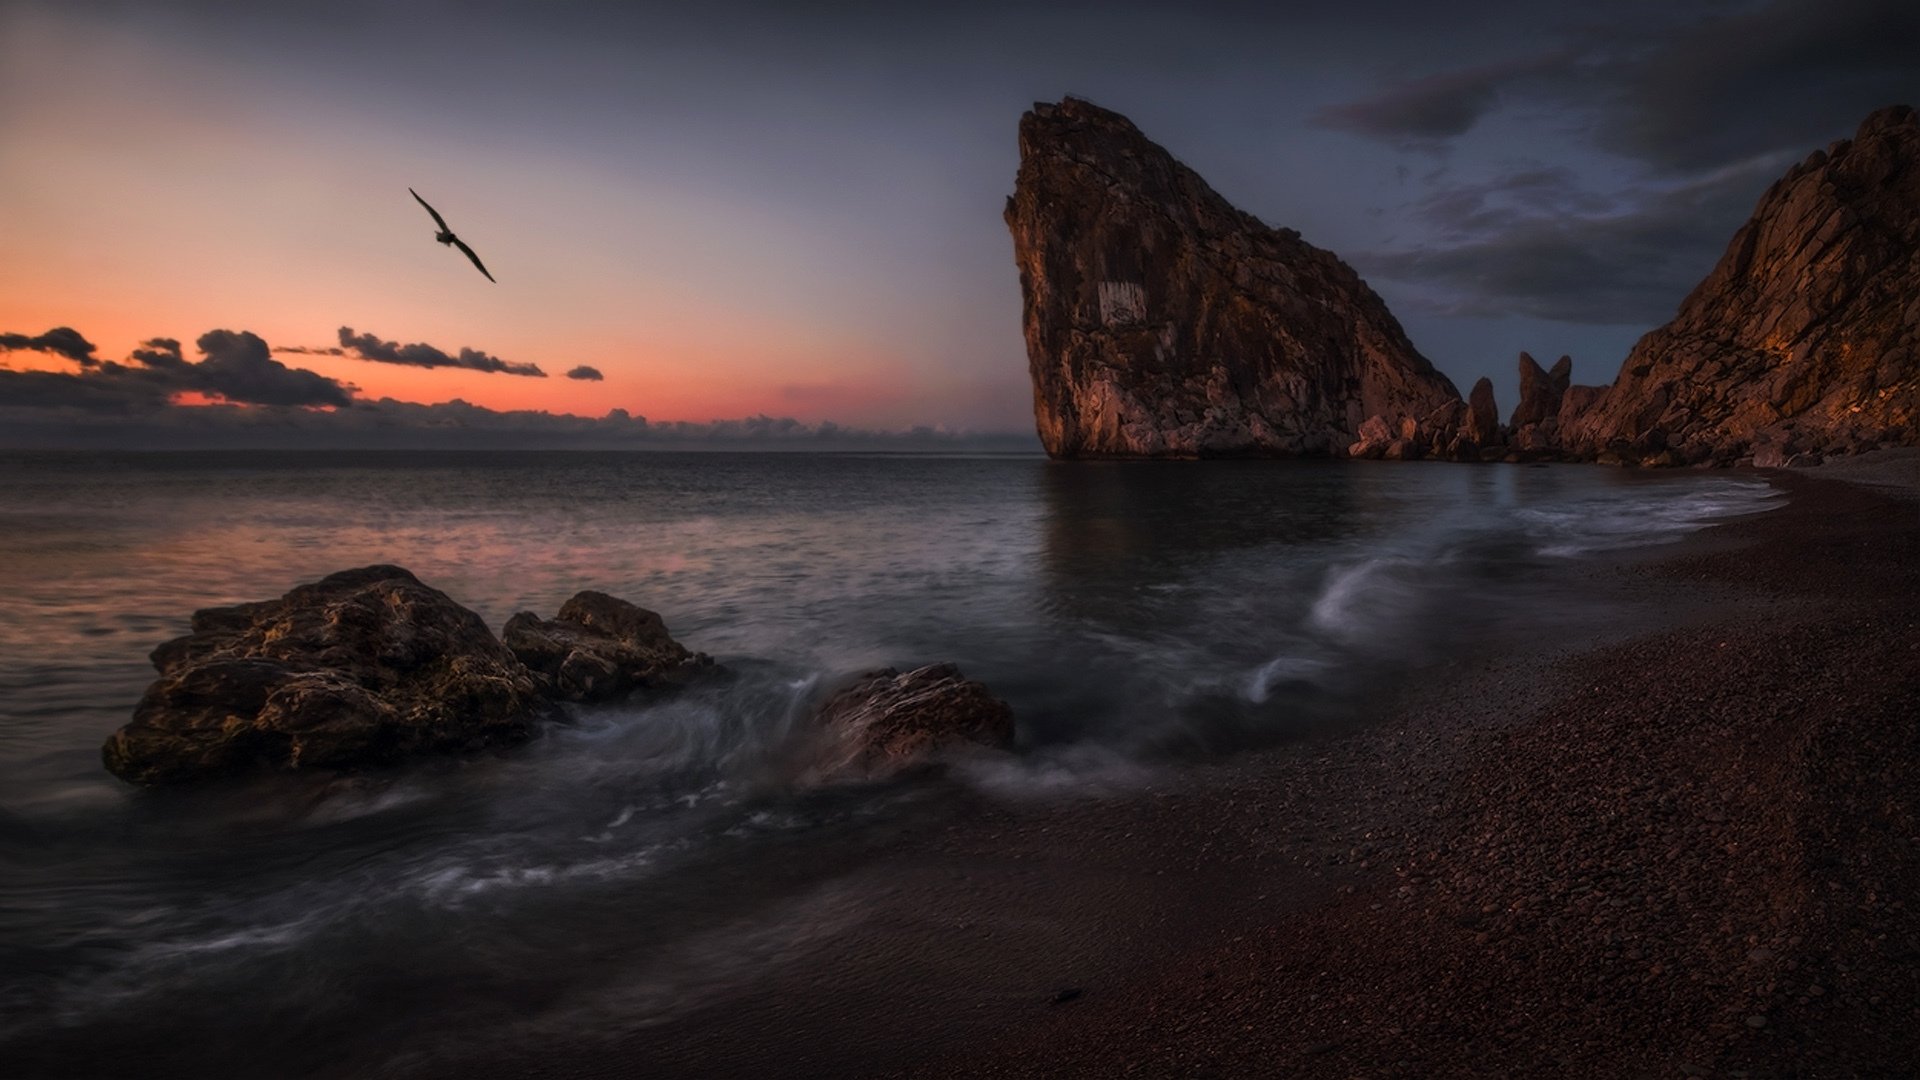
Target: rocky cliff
[(1805, 339), (1162, 322)]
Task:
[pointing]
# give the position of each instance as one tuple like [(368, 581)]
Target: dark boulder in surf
[(885, 722), (600, 648), (363, 667)]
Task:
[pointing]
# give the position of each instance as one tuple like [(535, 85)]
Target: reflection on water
[(639, 860)]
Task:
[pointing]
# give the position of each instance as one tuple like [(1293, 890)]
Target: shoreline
[(1601, 858), (1662, 867)]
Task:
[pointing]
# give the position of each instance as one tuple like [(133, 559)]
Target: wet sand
[(1687, 845)]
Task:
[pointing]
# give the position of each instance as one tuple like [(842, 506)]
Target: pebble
[(1756, 1021)]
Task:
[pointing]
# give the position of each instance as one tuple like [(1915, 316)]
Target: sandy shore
[(1690, 846)]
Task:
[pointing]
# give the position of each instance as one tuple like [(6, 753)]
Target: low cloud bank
[(254, 401)]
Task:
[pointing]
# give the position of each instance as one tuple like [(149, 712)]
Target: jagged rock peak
[(1161, 321), (1805, 338)]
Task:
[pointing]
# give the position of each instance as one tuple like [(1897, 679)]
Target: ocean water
[(1137, 616)]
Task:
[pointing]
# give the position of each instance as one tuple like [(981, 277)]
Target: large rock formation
[(1540, 391), (600, 648), (362, 667), (1162, 322), (885, 721), (1536, 416), (1483, 416), (1806, 336)]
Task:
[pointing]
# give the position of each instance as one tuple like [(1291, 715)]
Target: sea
[(1139, 617)]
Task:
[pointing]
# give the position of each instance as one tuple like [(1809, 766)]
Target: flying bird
[(445, 235)]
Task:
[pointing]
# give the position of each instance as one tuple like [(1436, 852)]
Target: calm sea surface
[(1135, 615)]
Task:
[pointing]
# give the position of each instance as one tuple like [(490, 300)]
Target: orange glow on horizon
[(660, 386)]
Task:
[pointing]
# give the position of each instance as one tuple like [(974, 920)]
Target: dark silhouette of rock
[(363, 667), (1162, 322), (1806, 333), (885, 721), (600, 648), (1540, 391), (1483, 416)]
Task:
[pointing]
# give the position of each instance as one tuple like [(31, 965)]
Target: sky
[(778, 221)]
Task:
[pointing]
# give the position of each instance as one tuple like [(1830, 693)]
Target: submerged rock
[(1808, 330), (363, 667), (1163, 322), (600, 648), (885, 721)]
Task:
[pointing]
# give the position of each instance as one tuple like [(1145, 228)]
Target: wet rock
[(885, 721), (361, 668), (600, 648), (1161, 321)]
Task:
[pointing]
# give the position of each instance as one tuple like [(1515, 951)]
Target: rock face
[(600, 648), (1483, 415), (1536, 417), (1162, 322), (1804, 339), (360, 668), (886, 721), (1540, 391)]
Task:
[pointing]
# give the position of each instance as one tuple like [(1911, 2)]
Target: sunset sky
[(754, 210)]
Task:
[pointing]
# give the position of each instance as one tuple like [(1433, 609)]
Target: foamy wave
[(1659, 516), (1358, 599), (1278, 672)]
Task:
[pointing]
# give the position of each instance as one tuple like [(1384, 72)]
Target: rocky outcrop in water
[(1535, 424), (1483, 415), (363, 667), (885, 721), (1162, 322), (1805, 339), (600, 648)]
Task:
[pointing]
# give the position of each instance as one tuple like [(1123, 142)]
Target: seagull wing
[(437, 219), (477, 264)]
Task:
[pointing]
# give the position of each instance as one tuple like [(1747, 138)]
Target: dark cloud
[(590, 374), (1539, 246), (1787, 75), (1688, 89), (61, 341), (237, 368), (370, 347), (1687, 113), (23, 393), (160, 353), (1424, 113)]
